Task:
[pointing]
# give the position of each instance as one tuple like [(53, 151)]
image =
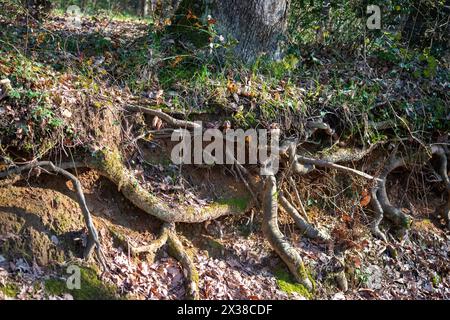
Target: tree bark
[(257, 25), (145, 6)]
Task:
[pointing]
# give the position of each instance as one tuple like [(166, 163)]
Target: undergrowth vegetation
[(334, 69)]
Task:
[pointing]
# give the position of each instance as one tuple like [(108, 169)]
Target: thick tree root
[(277, 240), (380, 201), (381, 204), (394, 214), (109, 164), (175, 249), (313, 126), (155, 245), (443, 172), (375, 227), (93, 240), (190, 271)]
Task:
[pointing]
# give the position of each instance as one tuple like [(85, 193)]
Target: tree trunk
[(257, 25), (145, 6)]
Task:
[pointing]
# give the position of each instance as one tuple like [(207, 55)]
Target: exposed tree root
[(93, 240), (109, 164), (349, 154), (165, 117), (327, 164), (306, 228), (443, 172), (155, 245), (381, 204), (178, 252), (168, 236), (394, 214), (277, 240), (375, 226), (299, 200), (380, 200)]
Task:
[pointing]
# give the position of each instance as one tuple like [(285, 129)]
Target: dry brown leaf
[(365, 199)]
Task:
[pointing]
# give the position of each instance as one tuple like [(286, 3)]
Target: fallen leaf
[(365, 200)]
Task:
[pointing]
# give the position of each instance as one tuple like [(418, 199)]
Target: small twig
[(299, 200)]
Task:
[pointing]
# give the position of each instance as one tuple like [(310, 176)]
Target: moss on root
[(9, 290), (235, 204), (91, 287), (287, 284)]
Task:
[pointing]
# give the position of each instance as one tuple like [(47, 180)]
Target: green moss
[(436, 280), (287, 284), (238, 204), (215, 248), (9, 290), (215, 244), (92, 288)]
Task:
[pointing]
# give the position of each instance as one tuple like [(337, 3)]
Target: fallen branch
[(108, 163)]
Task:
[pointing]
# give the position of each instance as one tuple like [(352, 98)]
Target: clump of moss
[(436, 280), (287, 284), (238, 204), (9, 290), (91, 287), (214, 248)]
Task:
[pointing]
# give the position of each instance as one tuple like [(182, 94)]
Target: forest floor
[(43, 220), (42, 230)]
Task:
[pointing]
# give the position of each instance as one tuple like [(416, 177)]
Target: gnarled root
[(395, 215), (155, 245), (178, 252), (443, 172), (168, 236), (276, 239), (93, 240), (109, 164), (383, 207), (375, 227)]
